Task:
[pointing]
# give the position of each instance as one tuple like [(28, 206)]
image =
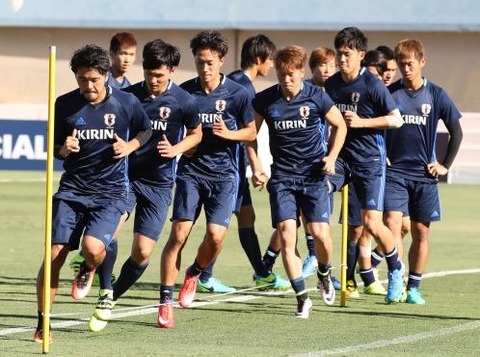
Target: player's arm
[(245, 133), (192, 138), (122, 148), (456, 135), (336, 139), (71, 144), (259, 178), (392, 120)]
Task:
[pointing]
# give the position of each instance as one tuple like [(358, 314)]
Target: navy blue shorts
[(151, 210), (419, 199), (75, 215), (244, 197), (289, 196), (217, 198)]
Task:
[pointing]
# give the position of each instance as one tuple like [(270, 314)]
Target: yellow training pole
[(343, 264), (48, 202)]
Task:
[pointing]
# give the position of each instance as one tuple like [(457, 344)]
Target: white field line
[(233, 297), (395, 341)]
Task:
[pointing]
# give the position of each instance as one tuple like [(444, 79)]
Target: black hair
[(256, 46), (157, 53), (90, 56), (351, 37), (209, 39)]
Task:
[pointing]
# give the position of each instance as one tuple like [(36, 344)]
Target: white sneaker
[(303, 309)]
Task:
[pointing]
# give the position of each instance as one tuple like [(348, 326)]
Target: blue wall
[(23, 145)]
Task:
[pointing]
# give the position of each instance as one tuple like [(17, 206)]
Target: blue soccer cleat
[(414, 297), (395, 285), (213, 285), (309, 266)]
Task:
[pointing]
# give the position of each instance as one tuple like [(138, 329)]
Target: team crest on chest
[(109, 119), (220, 105), (164, 113), (426, 109), (304, 111), (355, 97)]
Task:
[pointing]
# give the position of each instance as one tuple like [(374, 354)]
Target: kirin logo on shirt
[(355, 97), (164, 113), (220, 105), (304, 111), (109, 120)]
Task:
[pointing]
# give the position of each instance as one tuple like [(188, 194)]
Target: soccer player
[(412, 175), (123, 51), (172, 112), (367, 109), (296, 113), (390, 71), (256, 60), (322, 66), (209, 177), (96, 128)]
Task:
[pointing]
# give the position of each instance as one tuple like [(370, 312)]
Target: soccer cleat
[(303, 308), (38, 336), (414, 297), (165, 315), (82, 283), (213, 285), (272, 281), (325, 285), (309, 267), (187, 292), (375, 288), (103, 312), (395, 285), (352, 291)]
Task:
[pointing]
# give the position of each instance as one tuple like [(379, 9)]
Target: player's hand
[(329, 165), (259, 180), (165, 149), (436, 169), (71, 144), (352, 120), (120, 147), (220, 129)]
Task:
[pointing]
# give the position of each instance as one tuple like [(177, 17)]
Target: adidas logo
[(80, 121), (371, 202), (435, 214)]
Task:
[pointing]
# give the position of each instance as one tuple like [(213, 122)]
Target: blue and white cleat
[(395, 285), (309, 266), (213, 285)]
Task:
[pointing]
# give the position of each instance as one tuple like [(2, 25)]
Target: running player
[(172, 111), (256, 60), (296, 113), (368, 109), (96, 128), (209, 177), (412, 175)]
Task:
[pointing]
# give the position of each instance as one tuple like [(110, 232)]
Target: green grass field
[(248, 323)]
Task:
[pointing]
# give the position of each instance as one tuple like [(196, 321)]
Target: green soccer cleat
[(415, 297), (103, 312), (213, 285), (375, 288), (272, 281)]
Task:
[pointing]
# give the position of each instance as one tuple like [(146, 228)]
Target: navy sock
[(310, 245), (414, 280), (367, 276), (249, 241), (194, 269), (105, 270), (393, 262), (377, 258), (352, 259), (269, 258), (207, 273), (166, 293), (323, 268), (298, 285), (129, 274)]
